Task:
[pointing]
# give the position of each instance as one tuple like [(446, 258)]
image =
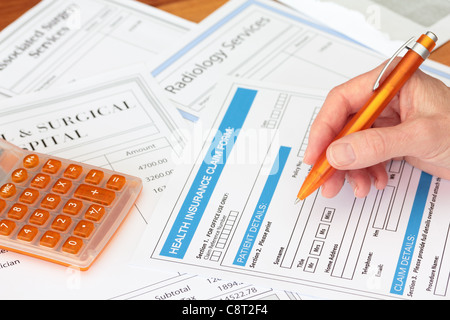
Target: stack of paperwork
[(214, 118)]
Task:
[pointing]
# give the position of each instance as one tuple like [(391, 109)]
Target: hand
[(415, 126)]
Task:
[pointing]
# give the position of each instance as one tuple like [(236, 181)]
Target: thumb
[(372, 146)]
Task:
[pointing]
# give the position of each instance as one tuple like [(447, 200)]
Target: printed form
[(260, 40), (263, 41), (86, 38), (84, 122), (290, 64), (230, 211), (59, 41)]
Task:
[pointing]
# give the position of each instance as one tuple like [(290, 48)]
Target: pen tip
[(297, 200)]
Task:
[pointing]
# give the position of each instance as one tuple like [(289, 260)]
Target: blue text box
[(411, 235), (202, 188), (261, 207)]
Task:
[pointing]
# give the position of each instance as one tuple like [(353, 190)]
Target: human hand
[(415, 126)]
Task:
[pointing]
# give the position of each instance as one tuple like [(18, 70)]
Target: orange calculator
[(60, 210)]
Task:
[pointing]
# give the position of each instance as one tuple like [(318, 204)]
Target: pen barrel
[(382, 96), (366, 116), (320, 172), (428, 40)]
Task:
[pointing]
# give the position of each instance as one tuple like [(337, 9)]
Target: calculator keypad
[(57, 210)]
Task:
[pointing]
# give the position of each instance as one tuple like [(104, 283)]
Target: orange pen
[(418, 51)]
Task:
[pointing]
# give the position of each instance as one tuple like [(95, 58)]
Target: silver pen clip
[(408, 45)]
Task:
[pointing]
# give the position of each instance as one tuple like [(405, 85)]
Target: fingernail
[(375, 183), (342, 154), (305, 157), (322, 187), (354, 186), (355, 191)]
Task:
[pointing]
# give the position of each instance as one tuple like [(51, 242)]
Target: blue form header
[(261, 208), (208, 174), (411, 235)]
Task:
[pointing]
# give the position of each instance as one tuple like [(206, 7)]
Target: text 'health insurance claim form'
[(230, 210)]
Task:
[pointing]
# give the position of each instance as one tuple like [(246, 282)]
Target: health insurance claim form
[(230, 210), (247, 227)]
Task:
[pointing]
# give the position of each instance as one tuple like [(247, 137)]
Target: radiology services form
[(260, 40), (59, 41), (230, 211), (85, 122)]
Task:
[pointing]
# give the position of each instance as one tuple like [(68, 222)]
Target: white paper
[(382, 25), (60, 41), (230, 210), (100, 35), (260, 40), (352, 23), (85, 122)]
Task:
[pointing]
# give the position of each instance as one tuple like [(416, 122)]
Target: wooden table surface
[(193, 10)]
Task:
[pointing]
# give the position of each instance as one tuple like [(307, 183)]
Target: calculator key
[(27, 233), (83, 229), (31, 161), (62, 186), (94, 177), (50, 239), (72, 245), (116, 182), (29, 196), (61, 223), (7, 227), (39, 217), (19, 175), (50, 201), (7, 190), (40, 181), (2, 205), (73, 207), (52, 166), (73, 171), (58, 209), (95, 194), (17, 211), (94, 213)]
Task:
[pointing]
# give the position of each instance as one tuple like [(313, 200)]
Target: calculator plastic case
[(60, 210)]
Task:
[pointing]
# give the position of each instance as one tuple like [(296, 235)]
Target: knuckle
[(429, 133), (334, 91), (375, 143)]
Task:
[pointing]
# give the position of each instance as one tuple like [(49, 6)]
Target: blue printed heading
[(202, 188), (261, 208), (411, 235)]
